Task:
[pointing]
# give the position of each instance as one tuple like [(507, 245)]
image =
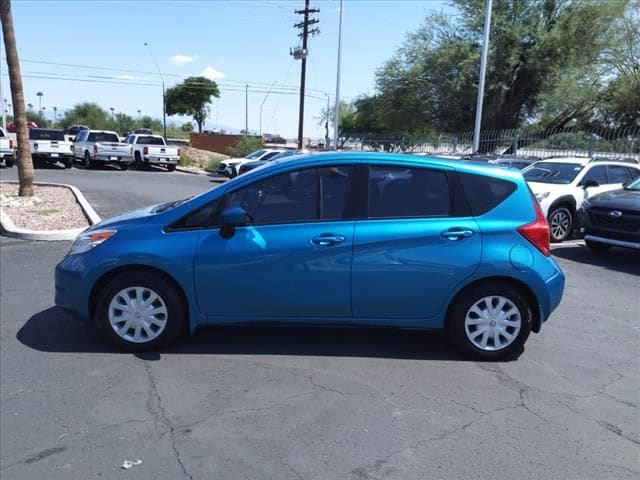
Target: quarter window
[(408, 192), (617, 174)]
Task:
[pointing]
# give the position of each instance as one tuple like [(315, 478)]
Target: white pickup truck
[(7, 154), (152, 150), (48, 145), (101, 146)]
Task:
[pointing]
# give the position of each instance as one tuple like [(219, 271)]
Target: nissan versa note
[(330, 239)]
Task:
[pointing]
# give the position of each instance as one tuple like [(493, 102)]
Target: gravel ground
[(51, 208)]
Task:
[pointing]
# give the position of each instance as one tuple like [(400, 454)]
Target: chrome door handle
[(456, 233), (326, 239)]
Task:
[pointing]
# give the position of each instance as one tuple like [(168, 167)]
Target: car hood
[(234, 161), (622, 199), (134, 216)]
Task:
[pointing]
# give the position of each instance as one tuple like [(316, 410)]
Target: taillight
[(95, 149), (178, 152), (537, 232), (11, 143), (145, 151)]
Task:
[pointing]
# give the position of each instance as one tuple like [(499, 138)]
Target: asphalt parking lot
[(296, 403)]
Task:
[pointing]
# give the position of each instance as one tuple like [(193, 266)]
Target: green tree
[(89, 114), (538, 49), (37, 117), (187, 127), (244, 146), (192, 97)]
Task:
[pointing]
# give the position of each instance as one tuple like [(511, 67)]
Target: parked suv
[(330, 239), (231, 167), (561, 184), (611, 219)]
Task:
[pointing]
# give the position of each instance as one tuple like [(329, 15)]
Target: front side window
[(255, 155), (305, 195), (597, 174), (396, 192)]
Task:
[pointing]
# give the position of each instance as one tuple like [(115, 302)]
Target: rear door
[(416, 244)]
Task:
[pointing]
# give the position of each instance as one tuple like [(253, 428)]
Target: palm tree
[(55, 115), (25, 164), (112, 110), (39, 95), (30, 106)]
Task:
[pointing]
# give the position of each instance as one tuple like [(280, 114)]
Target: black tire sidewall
[(571, 222), (458, 312), (159, 284)]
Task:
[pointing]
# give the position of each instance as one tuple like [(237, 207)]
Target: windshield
[(40, 134), (150, 141), (256, 154), (634, 185), (103, 137), (552, 172)]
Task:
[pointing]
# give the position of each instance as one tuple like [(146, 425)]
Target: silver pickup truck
[(7, 154), (100, 146), (48, 145), (153, 150)]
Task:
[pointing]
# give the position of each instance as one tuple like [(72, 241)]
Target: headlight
[(86, 241), (541, 196)]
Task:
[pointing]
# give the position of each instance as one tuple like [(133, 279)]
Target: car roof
[(588, 161), (480, 168)]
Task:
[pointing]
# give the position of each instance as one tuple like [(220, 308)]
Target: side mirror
[(590, 183), (231, 218)]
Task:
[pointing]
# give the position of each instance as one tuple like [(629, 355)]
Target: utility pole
[(4, 108), (164, 97), (246, 109), (327, 141), (483, 70), (262, 104), (300, 53)]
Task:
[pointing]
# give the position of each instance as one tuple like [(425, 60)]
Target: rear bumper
[(112, 158), (53, 156), (4, 155), (161, 160)]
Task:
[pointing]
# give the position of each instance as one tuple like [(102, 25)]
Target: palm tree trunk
[(24, 162)]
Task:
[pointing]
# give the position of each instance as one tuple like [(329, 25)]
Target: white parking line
[(571, 243)]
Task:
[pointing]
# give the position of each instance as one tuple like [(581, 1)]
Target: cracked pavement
[(296, 403)]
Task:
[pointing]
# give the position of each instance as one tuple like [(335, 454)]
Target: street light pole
[(164, 98), (246, 109), (336, 119), (483, 70), (262, 104)]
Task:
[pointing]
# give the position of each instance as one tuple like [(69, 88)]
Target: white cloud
[(211, 73), (180, 60), (129, 77)]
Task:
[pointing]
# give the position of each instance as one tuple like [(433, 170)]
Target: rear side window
[(484, 193), (618, 174), (401, 192), (103, 137), (148, 140), (41, 134)]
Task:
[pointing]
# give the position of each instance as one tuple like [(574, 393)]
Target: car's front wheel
[(560, 223), (139, 311), (490, 321)]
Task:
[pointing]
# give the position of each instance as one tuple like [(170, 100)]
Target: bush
[(245, 145), (212, 164), (186, 160)]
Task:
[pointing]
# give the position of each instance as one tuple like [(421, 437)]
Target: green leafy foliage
[(192, 97), (245, 145)]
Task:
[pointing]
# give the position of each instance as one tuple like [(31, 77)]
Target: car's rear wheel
[(560, 224), (597, 246), (68, 163), (171, 168), (124, 166), (139, 311), (490, 321), (88, 163), (8, 163)]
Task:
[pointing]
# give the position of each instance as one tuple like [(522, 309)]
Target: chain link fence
[(567, 142)]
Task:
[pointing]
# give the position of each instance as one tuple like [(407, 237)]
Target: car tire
[(560, 224), (124, 167), (88, 163), (153, 330), (171, 168), (68, 163), (8, 163), (137, 161), (597, 247), (499, 309)]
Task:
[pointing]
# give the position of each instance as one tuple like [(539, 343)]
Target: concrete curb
[(8, 228)]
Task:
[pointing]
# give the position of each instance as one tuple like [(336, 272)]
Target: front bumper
[(611, 232), (227, 170), (71, 291)]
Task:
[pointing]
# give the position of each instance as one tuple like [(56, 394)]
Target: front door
[(292, 260)]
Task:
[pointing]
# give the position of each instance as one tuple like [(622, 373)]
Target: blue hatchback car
[(335, 239)]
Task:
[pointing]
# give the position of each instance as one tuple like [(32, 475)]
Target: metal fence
[(566, 142)]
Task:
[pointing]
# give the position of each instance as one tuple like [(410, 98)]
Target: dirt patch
[(51, 208)]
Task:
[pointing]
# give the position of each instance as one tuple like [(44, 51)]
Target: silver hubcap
[(137, 314), (560, 224), (492, 323)]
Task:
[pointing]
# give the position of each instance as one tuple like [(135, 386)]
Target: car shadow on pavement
[(619, 259), (54, 330)]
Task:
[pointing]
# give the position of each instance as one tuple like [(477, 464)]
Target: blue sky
[(234, 42)]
